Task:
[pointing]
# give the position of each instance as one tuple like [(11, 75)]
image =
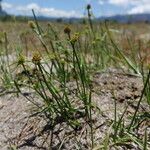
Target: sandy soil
[(20, 128)]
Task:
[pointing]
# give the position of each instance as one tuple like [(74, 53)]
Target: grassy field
[(75, 86)]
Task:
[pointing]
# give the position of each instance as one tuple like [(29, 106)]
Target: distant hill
[(128, 18), (117, 18)]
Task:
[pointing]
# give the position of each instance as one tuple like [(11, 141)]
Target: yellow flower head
[(74, 39), (36, 58), (67, 30)]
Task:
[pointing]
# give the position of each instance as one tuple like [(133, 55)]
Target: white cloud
[(132, 6), (101, 2), (118, 2), (127, 2), (142, 6), (42, 11), (140, 9), (6, 5)]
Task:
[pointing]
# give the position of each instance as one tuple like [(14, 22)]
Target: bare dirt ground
[(20, 129)]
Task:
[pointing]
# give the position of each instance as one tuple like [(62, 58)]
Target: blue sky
[(75, 8)]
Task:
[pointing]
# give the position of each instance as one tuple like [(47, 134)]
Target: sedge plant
[(50, 77)]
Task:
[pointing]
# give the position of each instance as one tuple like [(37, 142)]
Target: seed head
[(88, 7), (77, 34), (36, 58), (21, 60), (94, 43), (32, 25), (48, 24), (62, 61), (67, 30), (98, 39), (74, 39), (52, 57)]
